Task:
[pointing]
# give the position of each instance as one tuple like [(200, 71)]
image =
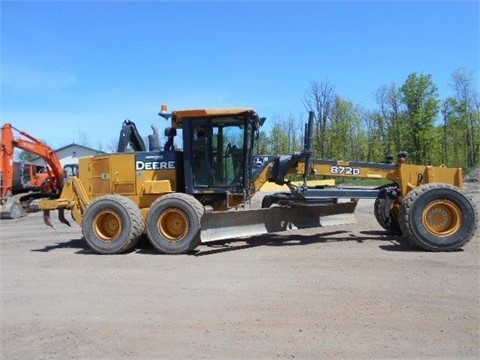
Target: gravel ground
[(340, 292)]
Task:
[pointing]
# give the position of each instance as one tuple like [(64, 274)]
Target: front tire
[(173, 223), (438, 217), (112, 224)]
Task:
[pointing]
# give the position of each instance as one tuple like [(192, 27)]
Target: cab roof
[(181, 114)]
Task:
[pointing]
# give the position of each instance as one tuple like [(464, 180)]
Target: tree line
[(410, 118)]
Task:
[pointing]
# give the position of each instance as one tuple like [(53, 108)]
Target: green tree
[(262, 144), (26, 156), (279, 138), (320, 98), (388, 119), (373, 136), (345, 127), (464, 108), (294, 130), (420, 99)]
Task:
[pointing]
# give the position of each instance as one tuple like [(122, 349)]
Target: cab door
[(214, 155)]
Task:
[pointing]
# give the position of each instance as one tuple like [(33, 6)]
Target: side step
[(223, 225)]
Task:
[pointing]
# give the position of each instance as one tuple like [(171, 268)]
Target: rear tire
[(438, 217), (386, 215), (112, 224), (173, 223)]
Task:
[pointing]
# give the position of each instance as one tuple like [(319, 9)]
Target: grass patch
[(344, 180), (362, 182)]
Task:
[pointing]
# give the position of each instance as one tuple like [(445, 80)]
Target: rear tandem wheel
[(438, 217), (112, 224), (173, 223)]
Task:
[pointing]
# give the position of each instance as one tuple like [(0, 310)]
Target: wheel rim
[(107, 226), (173, 224), (442, 218)]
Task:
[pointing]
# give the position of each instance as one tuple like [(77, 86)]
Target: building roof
[(81, 146), (76, 145)]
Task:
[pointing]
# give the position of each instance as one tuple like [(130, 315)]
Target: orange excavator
[(20, 182)]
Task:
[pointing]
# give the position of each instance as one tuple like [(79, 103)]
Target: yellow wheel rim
[(173, 224), (107, 226), (442, 218)]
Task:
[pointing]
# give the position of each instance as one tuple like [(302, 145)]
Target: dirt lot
[(344, 292)]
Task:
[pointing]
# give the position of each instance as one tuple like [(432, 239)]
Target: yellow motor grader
[(181, 198)]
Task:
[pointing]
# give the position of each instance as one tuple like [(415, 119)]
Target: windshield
[(227, 142), (218, 152)]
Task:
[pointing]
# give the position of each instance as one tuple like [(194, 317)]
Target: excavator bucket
[(242, 223), (12, 209)]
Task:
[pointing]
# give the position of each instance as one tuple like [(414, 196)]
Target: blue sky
[(83, 67)]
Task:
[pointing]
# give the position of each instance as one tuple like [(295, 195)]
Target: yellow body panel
[(406, 176), (112, 174), (409, 176), (117, 174), (156, 187)]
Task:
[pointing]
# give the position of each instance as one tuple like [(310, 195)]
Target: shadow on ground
[(394, 243), (389, 242), (72, 244)]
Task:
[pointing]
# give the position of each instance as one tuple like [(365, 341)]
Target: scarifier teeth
[(46, 218), (61, 217)]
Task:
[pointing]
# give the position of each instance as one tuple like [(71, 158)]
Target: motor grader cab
[(217, 154), (181, 198)]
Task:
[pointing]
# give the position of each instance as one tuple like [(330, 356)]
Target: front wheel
[(112, 224), (173, 223), (438, 217)]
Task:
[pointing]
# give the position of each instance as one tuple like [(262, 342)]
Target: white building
[(69, 154)]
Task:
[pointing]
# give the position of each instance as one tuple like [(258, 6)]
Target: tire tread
[(135, 214), (406, 222), (198, 209)]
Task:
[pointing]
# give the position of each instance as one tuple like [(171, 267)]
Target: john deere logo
[(149, 161), (258, 161), (154, 165)]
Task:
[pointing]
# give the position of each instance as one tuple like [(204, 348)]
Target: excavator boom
[(52, 181)]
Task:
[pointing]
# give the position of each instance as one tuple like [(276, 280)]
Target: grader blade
[(243, 223)]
